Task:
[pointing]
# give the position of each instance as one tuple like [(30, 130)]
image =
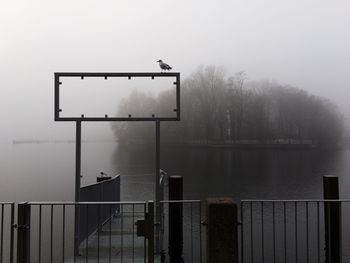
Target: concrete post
[(222, 234)]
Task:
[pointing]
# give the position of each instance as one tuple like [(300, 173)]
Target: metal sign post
[(157, 190), (79, 119)]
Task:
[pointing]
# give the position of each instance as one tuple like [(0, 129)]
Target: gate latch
[(144, 227)]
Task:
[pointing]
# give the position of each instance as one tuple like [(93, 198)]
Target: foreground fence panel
[(192, 230), (285, 231), (293, 230), (52, 238), (282, 231)]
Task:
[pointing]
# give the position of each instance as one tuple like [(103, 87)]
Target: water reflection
[(241, 174)]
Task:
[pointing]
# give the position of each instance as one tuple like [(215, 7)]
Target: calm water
[(46, 171)]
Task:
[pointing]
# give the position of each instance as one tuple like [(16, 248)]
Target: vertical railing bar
[(200, 231), (63, 230), (75, 239), (318, 233), (144, 240), (274, 231), (242, 231), (285, 231), (40, 225), (251, 233), (87, 234), (98, 231), (296, 230), (307, 231), (191, 233), (51, 234), (121, 231), (133, 233), (262, 232), (2, 232), (12, 231), (110, 235)]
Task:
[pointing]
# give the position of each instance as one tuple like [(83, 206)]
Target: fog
[(300, 43)]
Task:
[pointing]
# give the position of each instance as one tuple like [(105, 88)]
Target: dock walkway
[(117, 241)]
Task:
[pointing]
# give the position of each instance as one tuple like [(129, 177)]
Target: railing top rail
[(89, 203), (296, 200), (7, 203)]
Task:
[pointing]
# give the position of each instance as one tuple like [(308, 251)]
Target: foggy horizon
[(303, 44), (241, 167)]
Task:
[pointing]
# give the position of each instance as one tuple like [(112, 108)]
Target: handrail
[(88, 203), (296, 200), (93, 184)]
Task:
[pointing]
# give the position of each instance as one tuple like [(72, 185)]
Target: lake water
[(45, 171)]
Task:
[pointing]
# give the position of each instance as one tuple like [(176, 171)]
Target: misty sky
[(304, 43)]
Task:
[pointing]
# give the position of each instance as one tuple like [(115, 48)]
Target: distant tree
[(136, 105), (215, 107)]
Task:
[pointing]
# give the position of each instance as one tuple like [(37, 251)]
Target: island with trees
[(228, 111)]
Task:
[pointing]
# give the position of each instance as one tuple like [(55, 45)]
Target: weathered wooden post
[(332, 214), (175, 219), (222, 234)]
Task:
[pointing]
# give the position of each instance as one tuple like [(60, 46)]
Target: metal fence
[(271, 231), (182, 230), (49, 233), (46, 232), (295, 231)]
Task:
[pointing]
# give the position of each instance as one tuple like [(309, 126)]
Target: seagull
[(163, 66)]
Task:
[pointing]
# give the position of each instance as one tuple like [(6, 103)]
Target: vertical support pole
[(12, 234), (150, 232), (157, 186), (77, 185), (77, 161), (222, 233), (178, 96), (175, 219), (23, 233), (332, 213), (57, 96)]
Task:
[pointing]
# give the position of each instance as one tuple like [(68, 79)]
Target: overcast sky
[(304, 43)]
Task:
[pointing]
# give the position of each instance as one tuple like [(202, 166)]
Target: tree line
[(216, 108)]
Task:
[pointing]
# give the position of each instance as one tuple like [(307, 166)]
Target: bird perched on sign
[(163, 66)]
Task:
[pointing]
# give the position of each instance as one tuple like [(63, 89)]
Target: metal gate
[(107, 232), (47, 232)]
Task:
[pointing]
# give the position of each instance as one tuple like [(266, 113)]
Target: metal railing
[(7, 215), (294, 230), (105, 191), (187, 225), (47, 234)]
